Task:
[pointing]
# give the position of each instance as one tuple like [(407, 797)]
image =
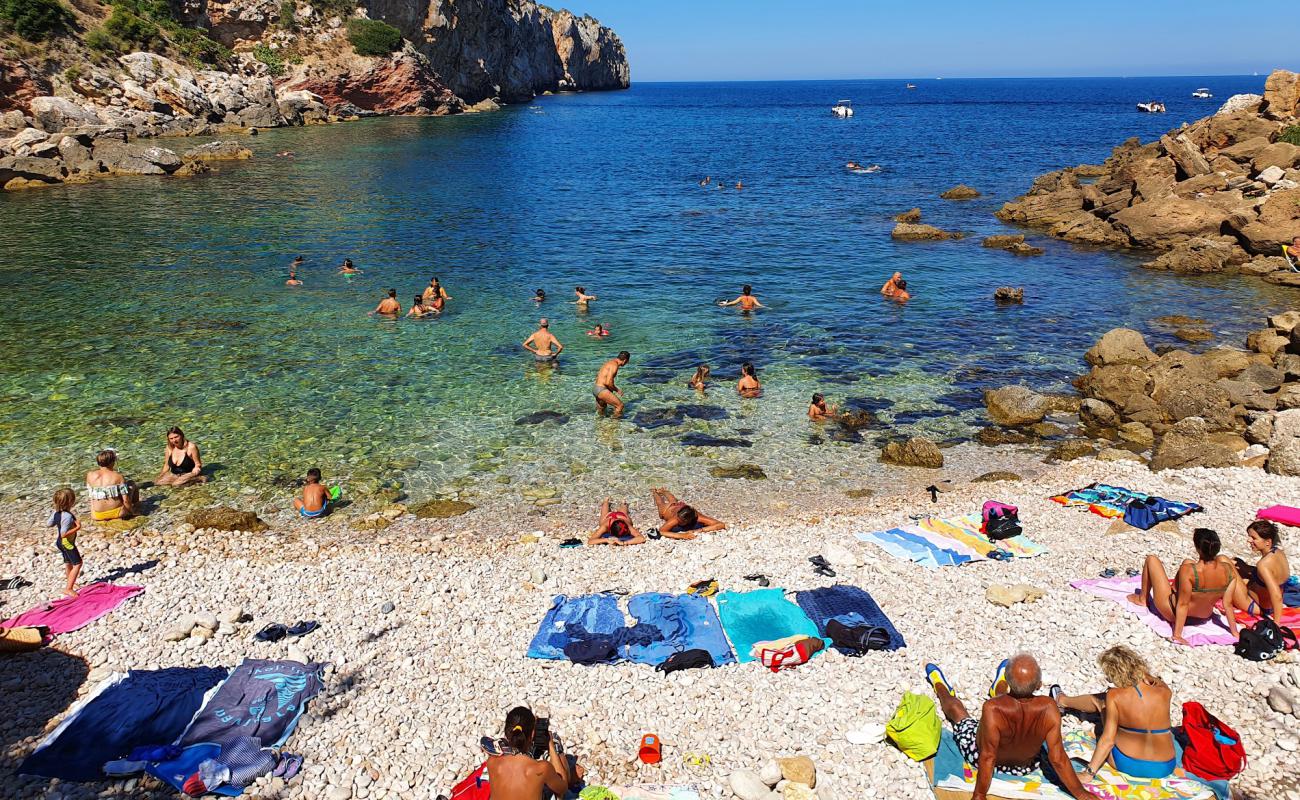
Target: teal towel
[(759, 616)]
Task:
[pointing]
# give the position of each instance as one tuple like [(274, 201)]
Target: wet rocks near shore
[(961, 192), (1009, 295), (915, 452), (920, 232), (1219, 195), (1012, 243)]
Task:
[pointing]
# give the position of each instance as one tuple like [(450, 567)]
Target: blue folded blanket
[(851, 603), (683, 622), (575, 619)]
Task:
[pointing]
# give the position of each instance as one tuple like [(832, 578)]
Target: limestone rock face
[(402, 84), (591, 55), (19, 84), (1284, 444), (1166, 221), (1187, 444), (1120, 346), (56, 113), (1201, 255), (1282, 95)]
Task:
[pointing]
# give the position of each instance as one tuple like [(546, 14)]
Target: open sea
[(135, 304)]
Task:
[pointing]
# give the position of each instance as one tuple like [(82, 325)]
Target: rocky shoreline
[(1221, 195), (287, 64)]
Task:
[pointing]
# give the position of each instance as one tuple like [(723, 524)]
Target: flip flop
[(272, 633), (704, 588), (653, 533), (819, 561), (937, 679), (1055, 693), (1000, 555), (759, 578), (827, 571), (934, 493), (1108, 572), (571, 542), (288, 766), (1132, 572), (303, 627), (16, 582), (999, 677)]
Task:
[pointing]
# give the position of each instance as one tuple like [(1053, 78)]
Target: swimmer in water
[(284, 154), (748, 386), (900, 292), (872, 168), (853, 165), (700, 380), (434, 291), (388, 307), (600, 331), (819, 410), (293, 277), (747, 301), (607, 394), (348, 268), (740, 185), (582, 297), (419, 309), (539, 296), (707, 180), (891, 285), (542, 343)]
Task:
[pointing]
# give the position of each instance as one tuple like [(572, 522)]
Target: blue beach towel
[(572, 619), (179, 769), (260, 698), (759, 616), (143, 707), (683, 622), (823, 605), (908, 546)]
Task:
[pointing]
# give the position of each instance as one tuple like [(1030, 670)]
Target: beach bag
[(1001, 521), (22, 639), (1141, 512), (857, 639), (1213, 750), (686, 659), (474, 786), (915, 727), (791, 655), (1263, 641)]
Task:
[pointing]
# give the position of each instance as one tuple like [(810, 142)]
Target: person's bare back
[(518, 777), (1020, 727), (314, 496)]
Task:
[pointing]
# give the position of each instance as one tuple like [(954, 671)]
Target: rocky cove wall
[(456, 56)]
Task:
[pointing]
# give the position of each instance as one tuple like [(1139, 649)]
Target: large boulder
[(25, 170), (961, 192), (52, 114), (1284, 443), (1097, 416), (1282, 94), (1245, 152), (1184, 385), (225, 519), (1277, 223), (915, 452), (918, 232), (217, 151), (1201, 255), (1118, 385), (1241, 102), (1119, 346), (1189, 444), (170, 82), (1165, 221), (302, 107), (1191, 163), (1015, 406), (1279, 154), (1084, 227), (1054, 197)]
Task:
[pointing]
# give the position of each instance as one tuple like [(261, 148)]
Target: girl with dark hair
[(513, 773), (1259, 591), (1196, 586), (182, 463), (615, 526), (748, 385)]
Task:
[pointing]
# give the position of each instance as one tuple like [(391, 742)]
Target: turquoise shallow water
[(135, 304)]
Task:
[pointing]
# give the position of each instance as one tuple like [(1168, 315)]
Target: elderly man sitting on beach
[(1014, 728)]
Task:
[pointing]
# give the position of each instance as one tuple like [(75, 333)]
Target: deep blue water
[(138, 303)]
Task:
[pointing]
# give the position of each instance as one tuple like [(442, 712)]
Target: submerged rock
[(961, 192), (1013, 406), (541, 417), (749, 472), (914, 232), (705, 440), (225, 519), (996, 476), (441, 509)]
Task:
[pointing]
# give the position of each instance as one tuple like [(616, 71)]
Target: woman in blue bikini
[(1136, 738)]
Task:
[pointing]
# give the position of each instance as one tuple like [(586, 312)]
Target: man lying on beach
[(682, 521), (607, 394), (1014, 727), (315, 500), (388, 307), (747, 301), (615, 527), (542, 343)]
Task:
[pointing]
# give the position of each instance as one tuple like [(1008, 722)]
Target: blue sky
[(675, 40)]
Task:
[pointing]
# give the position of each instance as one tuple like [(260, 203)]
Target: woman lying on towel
[(519, 769), (1136, 737), (615, 526), (1260, 589), (1196, 587), (682, 521)]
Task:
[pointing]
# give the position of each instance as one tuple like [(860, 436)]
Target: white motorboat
[(1202, 93), (843, 109), (911, 86), (1152, 107)]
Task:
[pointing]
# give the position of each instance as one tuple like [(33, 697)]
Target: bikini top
[(1198, 589), (107, 492), (1144, 731)]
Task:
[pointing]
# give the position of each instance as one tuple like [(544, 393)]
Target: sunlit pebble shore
[(410, 692)]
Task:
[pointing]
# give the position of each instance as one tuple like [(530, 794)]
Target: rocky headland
[(79, 89), (1221, 195)]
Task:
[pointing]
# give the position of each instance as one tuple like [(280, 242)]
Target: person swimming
[(707, 180), (601, 330), (542, 343), (348, 268), (819, 410), (388, 307), (419, 309), (748, 385), (891, 285), (583, 298), (900, 294), (747, 301), (293, 278), (539, 296), (740, 185), (700, 380), (434, 291)]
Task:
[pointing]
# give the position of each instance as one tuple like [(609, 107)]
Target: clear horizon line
[(960, 78)]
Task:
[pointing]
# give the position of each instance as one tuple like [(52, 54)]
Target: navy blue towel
[(823, 605)]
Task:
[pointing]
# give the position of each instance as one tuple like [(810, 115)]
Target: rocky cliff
[(1219, 195), (216, 65)]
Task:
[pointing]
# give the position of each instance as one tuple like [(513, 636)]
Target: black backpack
[(1263, 641), (686, 659), (857, 639)]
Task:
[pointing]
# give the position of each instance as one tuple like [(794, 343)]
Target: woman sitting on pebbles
[(682, 521), (1260, 587), (513, 772), (1191, 595), (182, 463), (1136, 738), (112, 496), (615, 526)]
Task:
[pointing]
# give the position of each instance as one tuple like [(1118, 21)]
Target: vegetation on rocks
[(1290, 135), (372, 37), (272, 58), (35, 20)]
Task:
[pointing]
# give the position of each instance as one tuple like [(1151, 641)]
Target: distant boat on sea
[(843, 109), (1202, 93), (1152, 107), (911, 86)]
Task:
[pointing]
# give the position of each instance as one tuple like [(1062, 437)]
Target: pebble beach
[(425, 625)]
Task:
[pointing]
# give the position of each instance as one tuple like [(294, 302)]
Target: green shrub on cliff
[(1290, 135), (101, 41), (133, 30), (195, 45), (371, 37), (271, 58), (288, 15), (35, 20), (334, 8)]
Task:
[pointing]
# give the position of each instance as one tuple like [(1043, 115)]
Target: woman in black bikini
[(1261, 586), (1196, 587), (182, 463)]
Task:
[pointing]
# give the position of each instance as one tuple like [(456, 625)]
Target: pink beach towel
[(70, 613), (1287, 515), (1117, 590)]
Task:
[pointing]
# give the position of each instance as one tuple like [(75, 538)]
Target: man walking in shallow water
[(607, 394), (542, 341)]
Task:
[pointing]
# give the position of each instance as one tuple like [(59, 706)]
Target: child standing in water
[(65, 522)]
